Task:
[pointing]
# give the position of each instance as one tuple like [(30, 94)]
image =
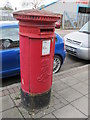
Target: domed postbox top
[(36, 15)]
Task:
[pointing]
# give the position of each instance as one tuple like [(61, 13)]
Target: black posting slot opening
[(46, 30)]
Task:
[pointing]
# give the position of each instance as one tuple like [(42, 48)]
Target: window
[(10, 33), (84, 10), (9, 38)]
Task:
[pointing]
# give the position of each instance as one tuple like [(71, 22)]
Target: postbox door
[(41, 65), (25, 63)]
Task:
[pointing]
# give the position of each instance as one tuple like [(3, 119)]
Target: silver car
[(78, 43)]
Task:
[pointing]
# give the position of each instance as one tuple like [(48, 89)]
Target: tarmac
[(69, 98)]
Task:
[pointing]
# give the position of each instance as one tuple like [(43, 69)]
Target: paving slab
[(0, 88), (23, 110), (68, 112), (0, 93), (0, 116), (59, 97), (70, 94), (81, 87), (0, 104), (40, 114), (6, 92), (70, 81), (63, 100), (59, 105), (13, 95), (83, 76), (7, 103), (54, 101), (82, 105), (86, 82), (12, 113), (49, 116), (87, 96), (48, 110), (13, 85), (27, 116), (59, 85), (11, 90)]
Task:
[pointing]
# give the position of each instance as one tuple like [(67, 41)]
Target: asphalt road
[(70, 62)]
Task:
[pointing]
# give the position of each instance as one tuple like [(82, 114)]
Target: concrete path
[(69, 98)]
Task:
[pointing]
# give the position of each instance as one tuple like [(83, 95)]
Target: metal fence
[(82, 19), (73, 20)]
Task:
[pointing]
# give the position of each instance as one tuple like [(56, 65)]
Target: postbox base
[(35, 101)]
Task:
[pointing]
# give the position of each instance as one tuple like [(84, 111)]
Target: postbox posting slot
[(46, 30)]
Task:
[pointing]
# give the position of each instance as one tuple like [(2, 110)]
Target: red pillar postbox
[(37, 43)]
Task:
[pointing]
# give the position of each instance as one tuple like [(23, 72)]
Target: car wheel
[(57, 64)]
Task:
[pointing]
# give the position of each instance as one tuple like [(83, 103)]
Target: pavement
[(69, 98)]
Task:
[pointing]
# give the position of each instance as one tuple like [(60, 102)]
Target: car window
[(86, 28), (10, 33), (9, 38)]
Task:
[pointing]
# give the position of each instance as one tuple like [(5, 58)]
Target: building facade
[(72, 11)]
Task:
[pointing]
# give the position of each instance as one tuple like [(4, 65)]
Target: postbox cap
[(36, 15)]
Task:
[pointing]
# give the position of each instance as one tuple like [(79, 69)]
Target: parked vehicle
[(57, 24), (78, 43), (60, 53), (9, 50)]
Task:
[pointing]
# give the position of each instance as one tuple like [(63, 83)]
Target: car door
[(10, 51), (10, 61), (59, 45)]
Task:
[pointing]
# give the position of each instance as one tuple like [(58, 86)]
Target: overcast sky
[(17, 3)]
